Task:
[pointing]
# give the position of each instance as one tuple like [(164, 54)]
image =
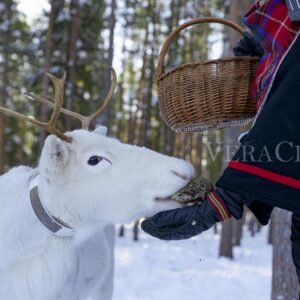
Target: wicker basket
[(209, 94)]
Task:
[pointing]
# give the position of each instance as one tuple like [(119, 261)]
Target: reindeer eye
[(94, 160)]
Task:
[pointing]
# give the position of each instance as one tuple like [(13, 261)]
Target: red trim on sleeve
[(225, 210), (216, 208), (219, 206), (275, 177)]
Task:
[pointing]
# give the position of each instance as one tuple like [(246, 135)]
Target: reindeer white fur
[(36, 264)]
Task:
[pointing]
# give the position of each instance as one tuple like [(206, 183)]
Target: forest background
[(85, 38)]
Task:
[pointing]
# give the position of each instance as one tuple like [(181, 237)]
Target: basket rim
[(213, 125), (206, 62)]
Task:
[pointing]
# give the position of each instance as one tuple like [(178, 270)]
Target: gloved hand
[(186, 222), (248, 46)]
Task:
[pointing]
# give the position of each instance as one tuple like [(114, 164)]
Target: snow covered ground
[(187, 270)]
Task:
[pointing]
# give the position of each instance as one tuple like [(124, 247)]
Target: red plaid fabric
[(275, 31)]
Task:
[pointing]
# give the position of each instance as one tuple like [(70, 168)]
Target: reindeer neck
[(54, 197), (51, 222)]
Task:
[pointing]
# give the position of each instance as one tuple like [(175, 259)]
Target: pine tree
[(14, 55), (48, 52), (77, 47), (285, 281), (230, 138)]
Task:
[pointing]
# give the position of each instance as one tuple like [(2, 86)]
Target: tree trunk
[(216, 229), (226, 248), (48, 54), (122, 231), (2, 139), (72, 59), (199, 148), (141, 92), (237, 231), (131, 124), (4, 96), (136, 230), (271, 230), (284, 282), (231, 138), (121, 81), (251, 225), (5, 79), (234, 36), (111, 28)]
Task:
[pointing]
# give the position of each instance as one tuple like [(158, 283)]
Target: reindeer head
[(97, 178), (87, 177)]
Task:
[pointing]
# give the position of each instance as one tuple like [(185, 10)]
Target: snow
[(153, 270), (85, 2), (16, 33), (82, 54), (33, 8), (119, 115), (63, 17), (54, 70), (79, 43), (4, 25)]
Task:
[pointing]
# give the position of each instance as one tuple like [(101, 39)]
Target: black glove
[(248, 46), (183, 223)]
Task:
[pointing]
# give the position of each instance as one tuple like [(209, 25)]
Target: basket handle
[(172, 35)]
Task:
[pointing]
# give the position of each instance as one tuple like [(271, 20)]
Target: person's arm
[(248, 46), (186, 222), (218, 205)]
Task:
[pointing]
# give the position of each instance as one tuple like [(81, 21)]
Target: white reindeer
[(56, 237)]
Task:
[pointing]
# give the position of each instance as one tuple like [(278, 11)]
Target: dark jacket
[(266, 168)]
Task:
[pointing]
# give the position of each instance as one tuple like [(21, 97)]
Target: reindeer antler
[(59, 84), (85, 120)]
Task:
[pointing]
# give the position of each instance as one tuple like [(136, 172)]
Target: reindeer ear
[(102, 130), (54, 155)]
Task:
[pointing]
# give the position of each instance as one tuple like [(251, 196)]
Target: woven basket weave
[(209, 94)]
